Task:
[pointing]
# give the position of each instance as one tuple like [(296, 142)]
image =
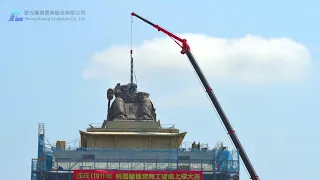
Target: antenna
[(131, 71)]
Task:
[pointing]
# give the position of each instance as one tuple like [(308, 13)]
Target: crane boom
[(186, 50)]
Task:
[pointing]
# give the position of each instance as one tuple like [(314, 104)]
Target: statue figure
[(117, 107), (145, 107), (130, 104)]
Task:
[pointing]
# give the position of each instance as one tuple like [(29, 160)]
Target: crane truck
[(185, 49)]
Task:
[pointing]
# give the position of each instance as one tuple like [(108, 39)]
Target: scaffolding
[(58, 163), (210, 162)]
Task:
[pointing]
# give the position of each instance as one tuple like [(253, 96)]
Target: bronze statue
[(130, 104)]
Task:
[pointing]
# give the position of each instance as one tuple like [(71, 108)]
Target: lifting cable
[(131, 35)]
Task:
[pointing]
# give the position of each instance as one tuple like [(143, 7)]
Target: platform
[(132, 134)]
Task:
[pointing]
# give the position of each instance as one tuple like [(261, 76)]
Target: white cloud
[(251, 59)]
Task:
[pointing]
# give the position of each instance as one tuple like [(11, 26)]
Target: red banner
[(136, 175)]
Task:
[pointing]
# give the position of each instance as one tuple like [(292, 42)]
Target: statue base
[(132, 134)]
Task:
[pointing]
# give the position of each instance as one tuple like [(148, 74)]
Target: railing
[(95, 125), (126, 150), (167, 126), (164, 165), (162, 126)]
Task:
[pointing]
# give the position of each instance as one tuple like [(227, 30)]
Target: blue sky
[(42, 64)]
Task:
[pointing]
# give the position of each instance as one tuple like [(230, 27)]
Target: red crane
[(186, 50)]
